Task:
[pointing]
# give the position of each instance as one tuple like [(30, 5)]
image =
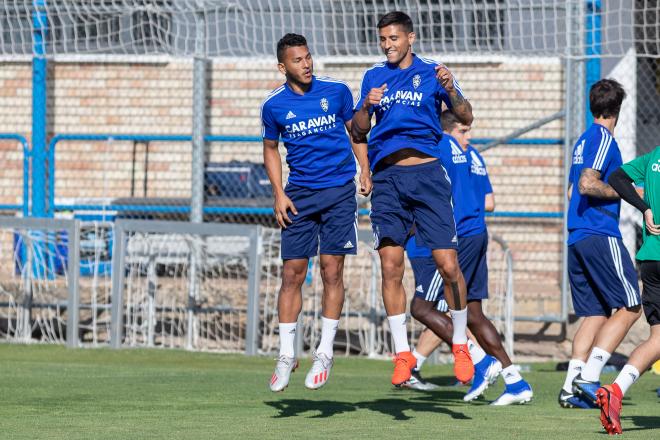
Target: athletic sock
[(626, 378), (420, 359), (399, 332), (328, 332), (459, 318), (575, 367), (511, 375), (476, 352), (287, 336), (597, 360)]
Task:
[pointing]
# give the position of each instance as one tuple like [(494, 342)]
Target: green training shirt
[(646, 169)]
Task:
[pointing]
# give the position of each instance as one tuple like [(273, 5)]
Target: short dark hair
[(396, 17), (605, 98), (289, 40), (448, 120)]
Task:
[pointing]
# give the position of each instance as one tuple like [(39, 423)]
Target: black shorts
[(651, 295)]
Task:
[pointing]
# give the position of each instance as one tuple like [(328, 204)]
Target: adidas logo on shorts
[(419, 289), (290, 115), (348, 245)]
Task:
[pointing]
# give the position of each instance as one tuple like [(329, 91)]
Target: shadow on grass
[(397, 408), (642, 423)]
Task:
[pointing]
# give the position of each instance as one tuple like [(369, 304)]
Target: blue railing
[(209, 209), (26, 172)]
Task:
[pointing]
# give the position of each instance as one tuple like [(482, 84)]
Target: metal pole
[(197, 175), (73, 306), (118, 256), (151, 300), (592, 40), (39, 77), (254, 280)]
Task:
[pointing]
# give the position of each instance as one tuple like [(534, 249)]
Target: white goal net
[(215, 28)]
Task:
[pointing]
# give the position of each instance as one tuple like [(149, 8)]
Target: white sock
[(511, 375), (420, 359), (575, 367), (287, 336), (476, 353), (627, 377), (459, 318), (328, 332), (399, 332), (597, 360)]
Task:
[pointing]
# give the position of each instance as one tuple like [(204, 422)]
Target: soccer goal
[(39, 297)]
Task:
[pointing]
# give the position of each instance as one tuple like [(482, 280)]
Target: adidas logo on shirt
[(290, 115), (348, 245), (419, 289)]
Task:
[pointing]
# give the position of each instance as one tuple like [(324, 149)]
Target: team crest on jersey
[(324, 104), (417, 80)]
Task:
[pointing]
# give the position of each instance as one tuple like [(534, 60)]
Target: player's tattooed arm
[(590, 184), (460, 106)]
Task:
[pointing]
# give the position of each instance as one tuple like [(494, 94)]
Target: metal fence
[(209, 287)]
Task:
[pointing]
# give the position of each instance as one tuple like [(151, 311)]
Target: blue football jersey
[(318, 150), (479, 173), (466, 192), (596, 149), (408, 116)]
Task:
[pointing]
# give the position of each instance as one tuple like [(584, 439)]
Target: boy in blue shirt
[(317, 210), (410, 187), (470, 189), (600, 270)]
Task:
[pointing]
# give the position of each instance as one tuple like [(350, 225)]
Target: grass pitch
[(49, 392)]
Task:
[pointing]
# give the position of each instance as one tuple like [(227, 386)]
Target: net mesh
[(338, 27)]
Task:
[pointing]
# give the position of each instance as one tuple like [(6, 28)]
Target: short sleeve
[(365, 87), (636, 168), (487, 187), (269, 128), (347, 103), (597, 152)]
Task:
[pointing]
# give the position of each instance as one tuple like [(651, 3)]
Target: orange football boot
[(463, 366), (404, 362)]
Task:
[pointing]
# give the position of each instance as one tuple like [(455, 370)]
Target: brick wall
[(156, 98)]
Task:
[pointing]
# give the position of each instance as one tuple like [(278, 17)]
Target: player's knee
[(419, 309), (292, 277), (449, 269), (331, 274), (392, 270)]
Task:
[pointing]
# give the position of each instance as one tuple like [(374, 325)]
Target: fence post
[(254, 282), (118, 256), (73, 303)]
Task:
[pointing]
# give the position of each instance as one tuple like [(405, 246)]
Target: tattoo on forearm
[(591, 185), (461, 108), (457, 296)]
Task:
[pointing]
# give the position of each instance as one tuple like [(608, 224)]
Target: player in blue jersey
[(410, 187), (470, 189), (317, 210), (600, 270)]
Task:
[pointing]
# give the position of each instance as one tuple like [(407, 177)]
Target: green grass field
[(49, 392)]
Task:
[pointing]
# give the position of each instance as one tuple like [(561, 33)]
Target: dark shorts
[(602, 276), (327, 215), (472, 258), (416, 194), (650, 271)]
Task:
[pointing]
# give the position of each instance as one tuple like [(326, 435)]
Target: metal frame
[(203, 229), (72, 227)]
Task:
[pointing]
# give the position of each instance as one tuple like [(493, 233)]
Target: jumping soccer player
[(600, 270), (646, 170), (409, 184), (311, 114), (470, 186)]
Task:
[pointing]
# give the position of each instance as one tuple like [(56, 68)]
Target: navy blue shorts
[(416, 194), (328, 215), (472, 258), (602, 276)]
